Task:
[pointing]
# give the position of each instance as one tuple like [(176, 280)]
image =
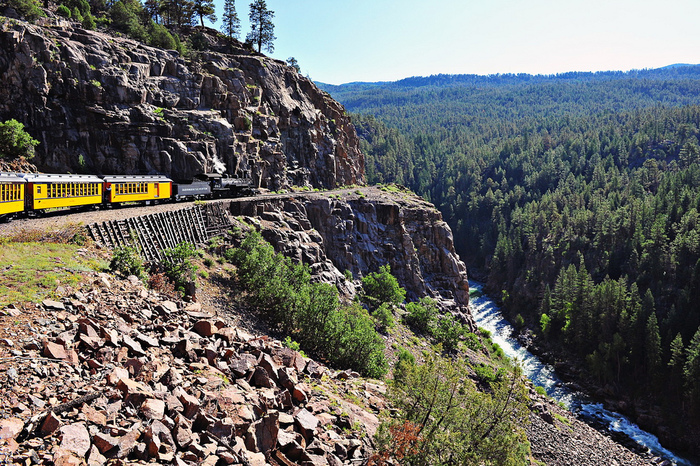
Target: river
[(488, 316)]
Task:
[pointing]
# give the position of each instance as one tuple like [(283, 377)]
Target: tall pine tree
[(262, 31), (231, 23)]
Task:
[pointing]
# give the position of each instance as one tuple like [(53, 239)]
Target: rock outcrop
[(359, 231), (106, 104)]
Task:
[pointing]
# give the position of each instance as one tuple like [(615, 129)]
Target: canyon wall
[(104, 104)]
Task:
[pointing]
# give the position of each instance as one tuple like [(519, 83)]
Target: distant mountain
[(672, 72)]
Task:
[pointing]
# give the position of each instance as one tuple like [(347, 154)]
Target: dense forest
[(577, 196)]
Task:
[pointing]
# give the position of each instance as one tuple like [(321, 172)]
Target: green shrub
[(519, 322), (29, 9), (63, 10), (308, 312), (15, 141), (89, 22), (159, 36), (472, 341), (448, 332), (384, 316), (405, 363), (451, 422), (126, 261), (76, 15), (178, 266), (422, 315), (381, 287)]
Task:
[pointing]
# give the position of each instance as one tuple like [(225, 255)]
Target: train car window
[(2, 192)]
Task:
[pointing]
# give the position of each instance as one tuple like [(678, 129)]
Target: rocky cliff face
[(362, 230), (106, 104)]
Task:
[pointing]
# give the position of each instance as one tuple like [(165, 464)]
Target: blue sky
[(339, 41)]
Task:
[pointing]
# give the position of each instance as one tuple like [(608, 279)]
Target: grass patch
[(31, 271)]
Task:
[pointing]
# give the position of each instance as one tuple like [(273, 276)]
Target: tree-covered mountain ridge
[(577, 196)]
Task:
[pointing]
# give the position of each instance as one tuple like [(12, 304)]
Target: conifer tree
[(231, 23), (204, 9), (652, 345), (691, 370), (262, 31)]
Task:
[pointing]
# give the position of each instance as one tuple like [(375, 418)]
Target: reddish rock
[(307, 423), (134, 392), (10, 428), (228, 333), (75, 438), (167, 307), (133, 345), (263, 433), (190, 403), (159, 440), (128, 442), (262, 379), (153, 409), (117, 374), (182, 433), (51, 304), (63, 457), (95, 458), (54, 350), (287, 378), (205, 328), (105, 442), (299, 395), (50, 424), (270, 366)]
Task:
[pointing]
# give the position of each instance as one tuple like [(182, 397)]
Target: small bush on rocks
[(126, 261), (381, 287)]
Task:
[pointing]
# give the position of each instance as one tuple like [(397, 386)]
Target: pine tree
[(204, 9), (231, 23), (652, 346), (262, 31), (675, 364), (691, 370)]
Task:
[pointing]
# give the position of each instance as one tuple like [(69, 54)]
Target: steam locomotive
[(24, 193)]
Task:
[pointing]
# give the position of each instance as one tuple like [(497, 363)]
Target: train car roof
[(6, 177), (135, 178), (59, 178)]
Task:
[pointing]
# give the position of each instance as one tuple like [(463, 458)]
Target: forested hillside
[(578, 196)]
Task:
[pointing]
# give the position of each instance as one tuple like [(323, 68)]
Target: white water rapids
[(488, 316)]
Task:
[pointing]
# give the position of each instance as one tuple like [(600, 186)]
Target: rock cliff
[(361, 230), (106, 104)]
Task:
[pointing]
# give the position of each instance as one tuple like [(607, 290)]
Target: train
[(35, 193)]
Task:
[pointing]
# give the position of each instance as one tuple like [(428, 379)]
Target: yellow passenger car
[(53, 191), (130, 188), (11, 194)]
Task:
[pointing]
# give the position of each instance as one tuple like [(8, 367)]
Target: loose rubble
[(119, 372)]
